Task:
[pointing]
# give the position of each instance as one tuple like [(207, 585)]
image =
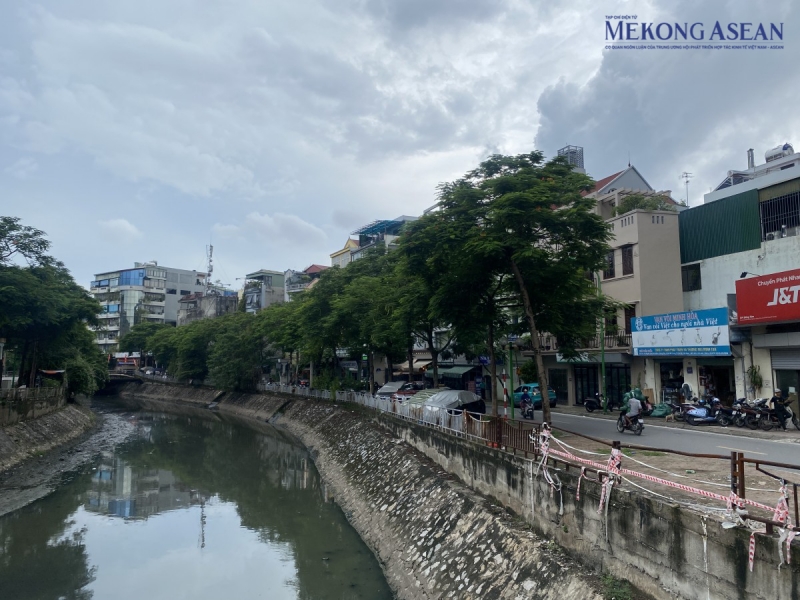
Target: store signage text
[(692, 333), (769, 299)]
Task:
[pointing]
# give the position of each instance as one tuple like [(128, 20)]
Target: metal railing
[(549, 343), (526, 438)]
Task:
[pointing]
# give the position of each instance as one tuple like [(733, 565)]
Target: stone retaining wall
[(436, 536), (36, 436)]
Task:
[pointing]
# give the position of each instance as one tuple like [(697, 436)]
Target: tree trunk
[(32, 376), (492, 370), (22, 359), (434, 357), (537, 352), (311, 375), (371, 365), (411, 360)]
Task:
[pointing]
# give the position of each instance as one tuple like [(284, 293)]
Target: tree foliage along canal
[(512, 249)]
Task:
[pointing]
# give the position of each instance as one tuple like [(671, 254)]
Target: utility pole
[(686, 177)]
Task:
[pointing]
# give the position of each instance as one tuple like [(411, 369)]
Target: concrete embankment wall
[(435, 535), (663, 549), (36, 436)]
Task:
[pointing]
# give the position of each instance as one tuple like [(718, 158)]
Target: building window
[(185, 292), (608, 272), (690, 277), (778, 215), (172, 291), (630, 314), (627, 260)]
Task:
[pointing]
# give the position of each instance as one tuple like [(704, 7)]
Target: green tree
[(536, 222), (237, 353), (641, 202), (139, 336)]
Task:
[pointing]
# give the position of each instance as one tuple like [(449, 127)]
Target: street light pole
[(602, 344)]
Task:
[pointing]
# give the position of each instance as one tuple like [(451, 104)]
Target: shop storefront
[(586, 376), (770, 306), (692, 348), (786, 364)]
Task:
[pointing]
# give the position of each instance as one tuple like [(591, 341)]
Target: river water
[(188, 507)]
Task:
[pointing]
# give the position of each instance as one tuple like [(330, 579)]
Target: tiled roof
[(604, 182), (315, 269)]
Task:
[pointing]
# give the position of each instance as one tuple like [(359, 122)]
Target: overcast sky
[(141, 130)]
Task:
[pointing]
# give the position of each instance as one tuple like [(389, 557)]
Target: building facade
[(263, 288), (147, 293), (342, 258), (206, 305), (740, 249), (643, 273)]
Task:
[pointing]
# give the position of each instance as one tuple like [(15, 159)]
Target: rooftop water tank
[(778, 152)]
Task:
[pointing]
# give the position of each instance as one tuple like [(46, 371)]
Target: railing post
[(740, 472)]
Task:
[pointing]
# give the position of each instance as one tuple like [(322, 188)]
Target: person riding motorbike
[(525, 400), (634, 408)]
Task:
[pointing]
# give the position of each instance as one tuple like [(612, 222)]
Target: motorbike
[(596, 403), (527, 410), (769, 417), (708, 411), (735, 415), (636, 426)]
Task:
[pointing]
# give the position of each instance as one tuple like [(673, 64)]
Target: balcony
[(296, 287), (613, 341)]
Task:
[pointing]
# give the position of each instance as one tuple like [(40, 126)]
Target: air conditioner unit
[(792, 231)]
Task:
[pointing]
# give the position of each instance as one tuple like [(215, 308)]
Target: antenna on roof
[(686, 177), (210, 268)]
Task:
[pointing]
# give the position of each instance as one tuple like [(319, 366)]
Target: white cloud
[(291, 124), (120, 229), (23, 168)]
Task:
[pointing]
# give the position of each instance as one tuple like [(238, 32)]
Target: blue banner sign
[(691, 333)]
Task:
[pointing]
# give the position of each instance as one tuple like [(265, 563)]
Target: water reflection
[(191, 507)]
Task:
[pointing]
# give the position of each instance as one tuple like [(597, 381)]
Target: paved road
[(702, 440)]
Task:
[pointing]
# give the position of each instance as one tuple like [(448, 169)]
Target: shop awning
[(452, 372), (419, 363)]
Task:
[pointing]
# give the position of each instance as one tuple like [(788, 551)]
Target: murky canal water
[(189, 508)]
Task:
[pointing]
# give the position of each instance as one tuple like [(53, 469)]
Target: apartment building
[(147, 293)]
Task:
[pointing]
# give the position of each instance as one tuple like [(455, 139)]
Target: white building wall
[(718, 275), (718, 279)]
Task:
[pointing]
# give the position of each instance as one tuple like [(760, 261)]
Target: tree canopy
[(44, 313), (511, 248), (642, 202)]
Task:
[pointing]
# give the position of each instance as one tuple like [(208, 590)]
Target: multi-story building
[(642, 272), (147, 293), (207, 305), (300, 281), (263, 288), (342, 258), (379, 233), (740, 250)]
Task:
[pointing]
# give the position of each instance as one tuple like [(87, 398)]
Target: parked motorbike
[(593, 404), (636, 426), (707, 411), (596, 403)]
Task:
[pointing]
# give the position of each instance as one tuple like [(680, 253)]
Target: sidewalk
[(776, 435)]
